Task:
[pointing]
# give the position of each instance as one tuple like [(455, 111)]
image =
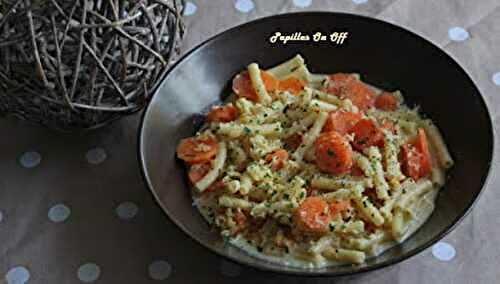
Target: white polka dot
[(244, 6), (302, 3), (159, 270), (357, 2), (458, 34), (443, 251), (17, 275), (59, 213), (96, 156), (189, 9), (89, 272), (496, 78), (126, 210), (30, 159), (230, 269)]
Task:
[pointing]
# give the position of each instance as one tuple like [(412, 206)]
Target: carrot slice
[(198, 171), (423, 147), (225, 113), (333, 153), (293, 85), (270, 82), (359, 93), (242, 85), (336, 82), (277, 159), (366, 134), (337, 207), (312, 215), (410, 161), (341, 121), (194, 150), (293, 141), (415, 157), (386, 101)]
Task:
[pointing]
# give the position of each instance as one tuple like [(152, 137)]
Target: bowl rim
[(311, 272)]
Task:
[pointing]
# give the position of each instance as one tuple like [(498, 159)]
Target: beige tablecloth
[(74, 208)]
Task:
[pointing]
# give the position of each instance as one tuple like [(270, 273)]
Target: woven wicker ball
[(78, 64)]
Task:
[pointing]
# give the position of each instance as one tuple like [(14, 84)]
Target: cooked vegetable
[(333, 153), (195, 150)]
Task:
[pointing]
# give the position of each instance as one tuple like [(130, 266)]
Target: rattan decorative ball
[(79, 64)]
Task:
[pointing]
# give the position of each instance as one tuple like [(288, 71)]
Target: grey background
[(123, 249)]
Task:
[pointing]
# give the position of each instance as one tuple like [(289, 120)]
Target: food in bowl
[(313, 170)]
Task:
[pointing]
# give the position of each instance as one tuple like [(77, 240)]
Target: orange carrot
[(333, 153), (386, 101), (194, 150), (225, 113)]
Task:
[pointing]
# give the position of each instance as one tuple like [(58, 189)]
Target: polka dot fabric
[(244, 6), (74, 209), (443, 251), (458, 34), (88, 272), (17, 275), (59, 213)]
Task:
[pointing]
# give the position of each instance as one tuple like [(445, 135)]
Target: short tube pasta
[(438, 143), (345, 255), (233, 202), (381, 185), (391, 157), (218, 164), (258, 84), (310, 136), (287, 67), (330, 184)]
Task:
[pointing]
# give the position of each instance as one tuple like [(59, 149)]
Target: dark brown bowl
[(386, 55)]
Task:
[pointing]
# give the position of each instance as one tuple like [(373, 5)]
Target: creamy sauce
[(424, 209)]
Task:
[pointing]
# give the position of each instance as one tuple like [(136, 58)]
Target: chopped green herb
[(332, 227), (247, 130)]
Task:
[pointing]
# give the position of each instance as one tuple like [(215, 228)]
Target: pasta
[(312, 169)]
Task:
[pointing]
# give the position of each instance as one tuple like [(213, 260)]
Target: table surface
[(73, 208)]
